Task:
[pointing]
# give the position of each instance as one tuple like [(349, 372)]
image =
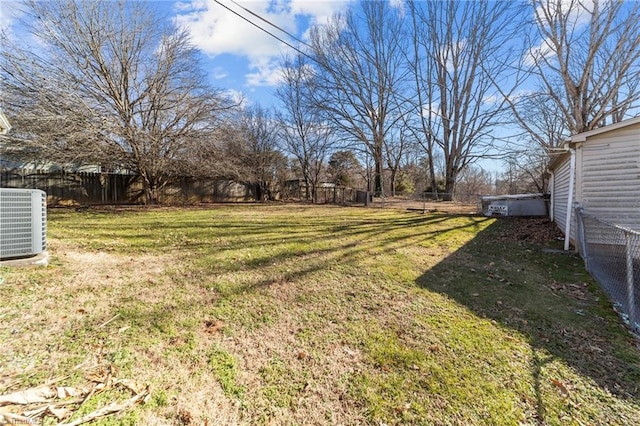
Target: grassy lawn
[(317, 315)]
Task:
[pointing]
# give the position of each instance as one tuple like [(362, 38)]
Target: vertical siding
[(610, 186), (561, 193)]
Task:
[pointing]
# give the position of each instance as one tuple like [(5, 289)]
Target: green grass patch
[(280, 314), (282, 386), (225, 368)]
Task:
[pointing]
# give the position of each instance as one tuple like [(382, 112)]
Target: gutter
[(552, 185)]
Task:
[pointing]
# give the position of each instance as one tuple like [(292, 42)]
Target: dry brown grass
[(291, 315), (83, 289), (448, 207)]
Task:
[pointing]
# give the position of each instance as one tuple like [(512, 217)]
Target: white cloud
[(218, 73), (542, 52), (216, 30), (431, 111), (449, 52), (579, 12), (490, 99), (267, 72), (236, 96), (398, 4)]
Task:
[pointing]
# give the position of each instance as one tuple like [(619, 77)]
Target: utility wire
[(265, 30), (315, 60), (270, 23)]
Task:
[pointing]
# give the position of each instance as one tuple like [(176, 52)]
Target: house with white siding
[(4, 124), (600, 170)]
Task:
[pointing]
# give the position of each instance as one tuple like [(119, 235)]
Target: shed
[(514, 205), (600, 170)]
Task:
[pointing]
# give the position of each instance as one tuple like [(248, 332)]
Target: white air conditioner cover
[(23, 222)]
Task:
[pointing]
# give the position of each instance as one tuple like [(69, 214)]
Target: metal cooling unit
[(23, 223)]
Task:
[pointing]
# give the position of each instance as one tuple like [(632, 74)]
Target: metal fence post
[(631, 297), (582, 237)]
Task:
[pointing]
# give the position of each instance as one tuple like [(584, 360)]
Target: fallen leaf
[(59, 413), (562, 387), (213, 326), (132, 385), (57, 410), (28, 396), (66, 392), (11, 418)]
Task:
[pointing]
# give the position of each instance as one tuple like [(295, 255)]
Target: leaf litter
[(35, 404)]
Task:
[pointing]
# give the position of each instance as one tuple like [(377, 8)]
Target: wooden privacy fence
[(107, 188)]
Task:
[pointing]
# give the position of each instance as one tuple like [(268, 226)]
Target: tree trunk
[(432, 173), (307, 194), (392, 182), (379, 168), (264, 192), (449, 186), (151, 187)]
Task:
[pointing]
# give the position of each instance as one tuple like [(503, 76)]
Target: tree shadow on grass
[(504, 275)]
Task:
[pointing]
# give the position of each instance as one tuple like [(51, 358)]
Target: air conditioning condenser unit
[(23, 223)]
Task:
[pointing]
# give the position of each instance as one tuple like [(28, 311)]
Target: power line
[(315, 60), (270, 23), (265, 30)]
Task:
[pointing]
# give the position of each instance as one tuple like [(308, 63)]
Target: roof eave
[(582, 137)]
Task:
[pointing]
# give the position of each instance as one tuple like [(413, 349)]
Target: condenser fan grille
[(23, 222)]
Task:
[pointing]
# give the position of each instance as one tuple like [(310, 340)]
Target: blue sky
[(240, 57)]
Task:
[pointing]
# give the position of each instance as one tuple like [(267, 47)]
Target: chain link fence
[(428, 202), (612, 256)]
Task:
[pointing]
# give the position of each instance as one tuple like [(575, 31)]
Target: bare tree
[(254, 153), (456, 47), (586, 58), (360, 70), (543, 131), (107, 83), (530, 168), (395, 147), (303, 133), (420, 120), (473, 181)]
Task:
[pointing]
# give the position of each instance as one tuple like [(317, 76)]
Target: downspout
[(552, 191), (572, 181)]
